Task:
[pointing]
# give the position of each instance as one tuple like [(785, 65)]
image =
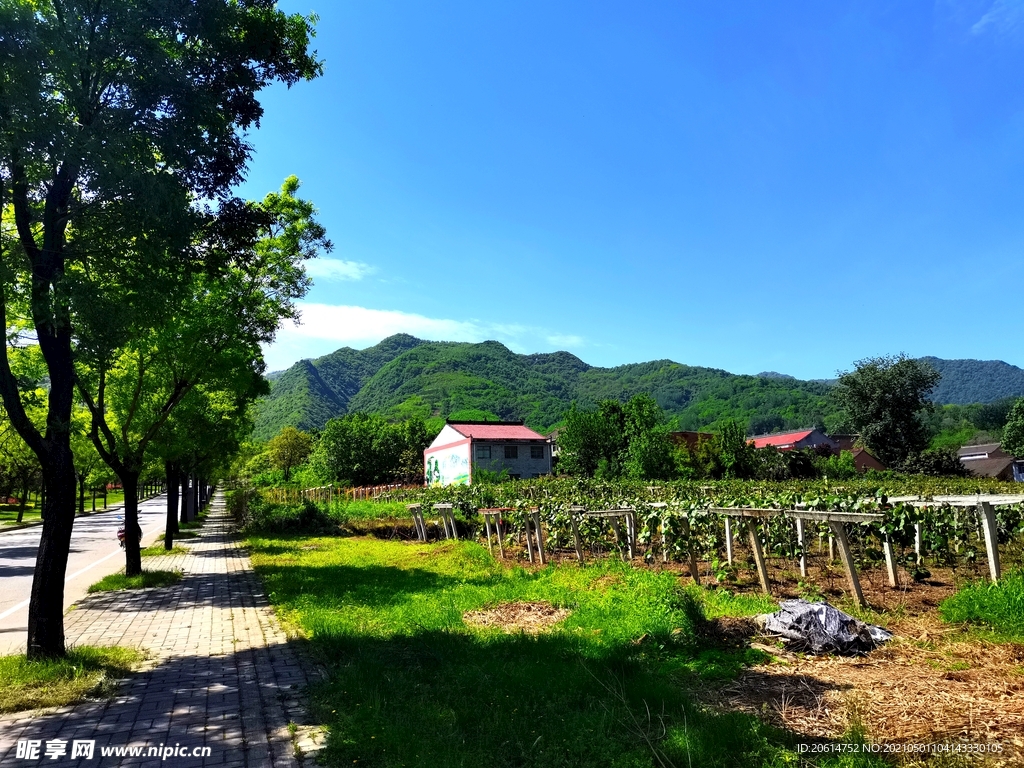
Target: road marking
[(23, 603)]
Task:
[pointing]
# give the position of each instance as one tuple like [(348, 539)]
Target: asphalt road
[(94, 554)]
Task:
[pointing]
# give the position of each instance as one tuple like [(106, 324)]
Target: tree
[(883, 399), (366, 449), (289, 448), (650, 454), (20, 464), (208, 330), (617, 440), (127, 109), (1013, 432)]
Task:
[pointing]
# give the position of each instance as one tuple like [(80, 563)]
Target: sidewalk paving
[(221, 673)]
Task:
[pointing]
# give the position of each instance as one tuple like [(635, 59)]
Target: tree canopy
[(116, 117), (884, 400)]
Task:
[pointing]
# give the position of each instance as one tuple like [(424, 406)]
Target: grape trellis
[(948, 524)]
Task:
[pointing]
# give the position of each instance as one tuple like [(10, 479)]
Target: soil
[(531, 618)]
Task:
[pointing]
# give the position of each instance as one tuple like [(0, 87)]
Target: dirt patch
[(531, 618), (609, 580), (929, 684)]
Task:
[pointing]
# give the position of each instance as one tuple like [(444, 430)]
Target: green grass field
[(9, 514), (117, 581), (410, 682), (998, 608), (86, 671), (157, 550)]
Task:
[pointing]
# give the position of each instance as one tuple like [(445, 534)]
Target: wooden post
[(803, 550), (728, 540), (755, 547), (691, 552), (919, 542), (831, 548), (618, 533), (839, 535), (631, 534), (540, 538), (487, 525), (417, 521), (526, 528), (991, 539), (501, 544), (576, 535), (890, 562)]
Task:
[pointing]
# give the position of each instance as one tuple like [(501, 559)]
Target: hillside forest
[(886, 401)]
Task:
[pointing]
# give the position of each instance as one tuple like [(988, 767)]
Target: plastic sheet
[(821, 628)]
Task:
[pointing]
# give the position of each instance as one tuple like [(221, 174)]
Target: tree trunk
[(46, 605), (24, 499), (171, 470), (81, 494), (185, 498), (132, 558), (196, 508)]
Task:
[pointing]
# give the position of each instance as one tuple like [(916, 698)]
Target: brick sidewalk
[(221, 673)]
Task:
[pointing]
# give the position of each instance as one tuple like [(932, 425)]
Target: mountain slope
[(976, 381), (313, 391), (404, 376)]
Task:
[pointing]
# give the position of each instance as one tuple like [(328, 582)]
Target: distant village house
[(990, 460), (494, 446), (796, 441)]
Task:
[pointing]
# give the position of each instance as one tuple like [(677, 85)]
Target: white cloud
[(565, 340), (1005, 17), (337, 269), (359, 326), (326, 327)]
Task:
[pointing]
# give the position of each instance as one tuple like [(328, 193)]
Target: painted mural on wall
[(448, 466)]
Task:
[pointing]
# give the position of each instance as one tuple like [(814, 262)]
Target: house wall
[(447, 436), (448, 464), (815, 439), (523, 466)]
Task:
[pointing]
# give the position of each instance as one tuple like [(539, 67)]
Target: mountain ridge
[(404, 376)]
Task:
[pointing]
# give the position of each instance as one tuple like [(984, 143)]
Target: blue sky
[(740, 186)]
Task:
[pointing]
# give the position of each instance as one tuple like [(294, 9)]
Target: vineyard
[(723, 530)]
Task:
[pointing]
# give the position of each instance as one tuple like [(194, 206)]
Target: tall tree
[(883, 399), (206, 329), (139, 104), (1013, 432), (289, 448)]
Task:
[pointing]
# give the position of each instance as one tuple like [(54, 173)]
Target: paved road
[(94, 554), (221, 687)]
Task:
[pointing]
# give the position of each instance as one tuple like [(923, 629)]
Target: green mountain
[(313, 391), (976, 381), (403, 376)]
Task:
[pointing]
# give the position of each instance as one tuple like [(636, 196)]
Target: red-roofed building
[(495, 446), (795, 441)]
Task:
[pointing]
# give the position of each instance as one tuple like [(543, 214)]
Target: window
[(536, 451), (511, 451), (483, 451)]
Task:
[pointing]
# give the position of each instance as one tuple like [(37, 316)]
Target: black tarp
[(821, 628)]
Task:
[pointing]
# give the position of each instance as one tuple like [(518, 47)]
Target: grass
[(85, 671), (9, 514), (157, 550), (118, 581), (998, 607), (410, 683)]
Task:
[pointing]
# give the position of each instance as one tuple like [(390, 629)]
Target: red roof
[(786, 438), (497, 432)]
